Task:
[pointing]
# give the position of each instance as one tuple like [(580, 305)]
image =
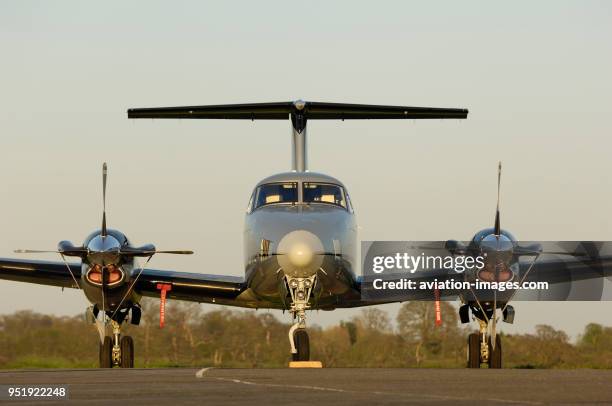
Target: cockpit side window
[(250, 205), (272, 193), (324, 193), (349, 204)]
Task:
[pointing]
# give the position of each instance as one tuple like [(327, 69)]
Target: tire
[(495, 356), (106, 353), (473, 351), (127, 352), (302, 344)]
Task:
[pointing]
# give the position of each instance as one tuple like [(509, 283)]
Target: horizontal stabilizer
[(310, 111)]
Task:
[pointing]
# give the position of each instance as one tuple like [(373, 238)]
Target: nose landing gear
[(485, 347), (300, 290), (118, 350)]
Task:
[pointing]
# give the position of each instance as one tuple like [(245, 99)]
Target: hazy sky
[(534, 75)]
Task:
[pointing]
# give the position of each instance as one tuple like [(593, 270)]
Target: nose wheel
[(302, 346), (300, 290)]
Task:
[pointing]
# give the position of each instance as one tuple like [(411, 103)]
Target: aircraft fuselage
[(305, 228)]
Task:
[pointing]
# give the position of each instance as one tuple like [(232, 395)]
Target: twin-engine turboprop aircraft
[(300, 242)]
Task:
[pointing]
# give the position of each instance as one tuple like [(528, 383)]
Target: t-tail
[(299, 112)]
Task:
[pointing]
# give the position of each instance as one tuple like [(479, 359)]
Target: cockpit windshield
[(324, 193), (276, 193)]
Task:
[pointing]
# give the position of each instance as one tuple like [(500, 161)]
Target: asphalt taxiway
[(322, 386)]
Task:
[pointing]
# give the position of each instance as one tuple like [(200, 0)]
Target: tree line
[(231, 338)]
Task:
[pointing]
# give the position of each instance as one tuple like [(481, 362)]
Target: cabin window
[(276, 193), (324, 193)]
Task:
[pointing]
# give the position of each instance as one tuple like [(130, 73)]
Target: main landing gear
[(485, 347), (300, 290), (118, 350)]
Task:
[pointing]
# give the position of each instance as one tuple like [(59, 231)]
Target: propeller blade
[(143, 252), (35, 252), (104, 272), (178, 252), (314, 253), (497, 223), (104, 171), (528, 251), (73, 252)]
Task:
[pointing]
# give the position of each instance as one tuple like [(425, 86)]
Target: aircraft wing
[(564, 270), (561, 272), (51, 273), (194, 287), (575, 279)]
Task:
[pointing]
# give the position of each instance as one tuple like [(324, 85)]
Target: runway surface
[(323, 386)]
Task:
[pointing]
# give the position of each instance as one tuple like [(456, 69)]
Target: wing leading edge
[(193, 287), (51, 273)]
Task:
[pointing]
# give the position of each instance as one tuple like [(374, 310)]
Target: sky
[(534, 75)]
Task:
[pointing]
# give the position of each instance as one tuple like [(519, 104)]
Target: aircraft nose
[(300, 250), (300, 254)]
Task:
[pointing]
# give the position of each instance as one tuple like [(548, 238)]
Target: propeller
[(497, 223)]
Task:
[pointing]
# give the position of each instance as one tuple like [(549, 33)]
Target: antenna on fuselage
[(497, 223), (299, 112), (104, 171)]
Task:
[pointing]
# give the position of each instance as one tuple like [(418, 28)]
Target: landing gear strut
[(300, 290), (484, 347), (116, 350)]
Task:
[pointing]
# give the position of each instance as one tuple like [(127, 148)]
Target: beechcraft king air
[(300, 236)]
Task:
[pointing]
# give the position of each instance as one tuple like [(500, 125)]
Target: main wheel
[(495, 356), (302, 344), (106, 353), (127, 352), (473, 351)]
